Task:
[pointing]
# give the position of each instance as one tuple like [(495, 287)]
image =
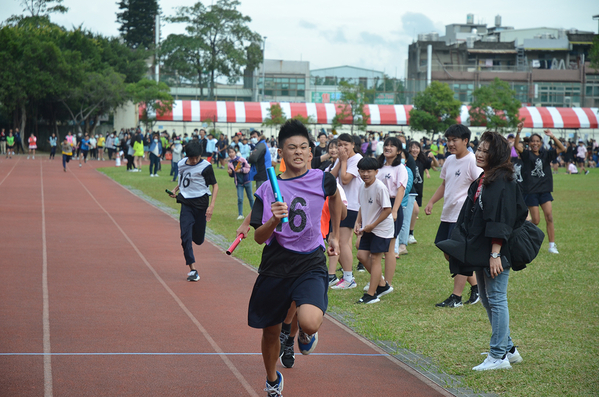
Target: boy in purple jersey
[(293, 266)]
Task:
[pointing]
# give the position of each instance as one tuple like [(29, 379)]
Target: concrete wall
[(126, 116)]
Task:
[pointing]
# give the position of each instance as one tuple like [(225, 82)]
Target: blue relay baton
[(275, 188)]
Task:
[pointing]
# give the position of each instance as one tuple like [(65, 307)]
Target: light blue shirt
[(211, 145), (244, 150)]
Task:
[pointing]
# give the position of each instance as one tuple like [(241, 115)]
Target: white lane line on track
[(46, 300), (13, 167), (214, 345)]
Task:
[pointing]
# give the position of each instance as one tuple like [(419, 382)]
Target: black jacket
[(497, 212)]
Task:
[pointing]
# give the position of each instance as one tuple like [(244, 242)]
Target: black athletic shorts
[(272, 296), (350, 219), (373, 243)]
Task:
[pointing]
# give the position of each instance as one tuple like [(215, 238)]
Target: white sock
[(348, 276), (551, 245)]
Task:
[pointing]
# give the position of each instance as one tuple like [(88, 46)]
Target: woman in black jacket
[(493, 210)]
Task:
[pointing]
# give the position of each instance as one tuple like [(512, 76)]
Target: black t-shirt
[(536, 171), (283, 263), (200, 203), (419, 174), (411, 164), (319, 151)]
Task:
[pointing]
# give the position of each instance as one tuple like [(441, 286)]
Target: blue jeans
[(154, 163), (248, 191), (174, 169), (493, 295), (405, 227)]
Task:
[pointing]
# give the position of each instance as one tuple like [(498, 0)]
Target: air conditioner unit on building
[(567, 102)]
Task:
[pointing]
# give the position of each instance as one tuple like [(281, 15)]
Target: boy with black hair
[(458, 172), (195, 177), (293, 266), (375, 225)]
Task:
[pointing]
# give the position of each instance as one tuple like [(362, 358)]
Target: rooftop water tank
[(470, 19), (497, 21)]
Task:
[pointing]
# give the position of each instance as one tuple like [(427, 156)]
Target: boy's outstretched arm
[(335, 207), (210, 208)]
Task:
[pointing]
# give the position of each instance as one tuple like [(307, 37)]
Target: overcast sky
[(370, 34)]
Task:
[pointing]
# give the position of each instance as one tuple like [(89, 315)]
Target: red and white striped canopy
[(323, 113)]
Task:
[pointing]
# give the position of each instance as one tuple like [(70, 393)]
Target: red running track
[(94, 302)]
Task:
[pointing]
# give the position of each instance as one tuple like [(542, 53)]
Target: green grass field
[(554, 303)]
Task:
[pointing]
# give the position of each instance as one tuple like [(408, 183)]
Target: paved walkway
[(94, 302)]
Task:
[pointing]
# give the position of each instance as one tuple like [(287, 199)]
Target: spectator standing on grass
[(221, 146), (239, 170), (581, 156), (458, 172), (346, 171), (259, 159), (193, 193), (494, 208), (394, 175), (210, 148), (403, 238), (322, 144), (138, 151), (538, 180), (32, 145), (375, 226), (423, 163), (127, 147), (53, 140), (177, 150), (244, 148), (155, 154)]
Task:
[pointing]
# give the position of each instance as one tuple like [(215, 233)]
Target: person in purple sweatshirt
[(293, 268)]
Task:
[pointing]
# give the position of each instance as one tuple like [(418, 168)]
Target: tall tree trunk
[(93, 127), (23, 120)]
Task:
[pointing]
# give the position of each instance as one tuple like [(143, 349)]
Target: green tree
[(594, 53), (351, 107), (435, 109), (185, 57), (34, 66), (276, 117), (392, 85), (222, 36), (495, 105), (138, 22), (40, 8), (154, 98), (97, 94)]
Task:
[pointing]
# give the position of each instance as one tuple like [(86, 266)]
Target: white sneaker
[(411, 240), (367, 287), (493, 363), (156, 175), (553, 250), (79, 164), (151, 175), (515, 357), (344, 284), (240, 217), (27, 157)]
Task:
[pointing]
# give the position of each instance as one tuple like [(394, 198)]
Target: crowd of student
[(336, 187)]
